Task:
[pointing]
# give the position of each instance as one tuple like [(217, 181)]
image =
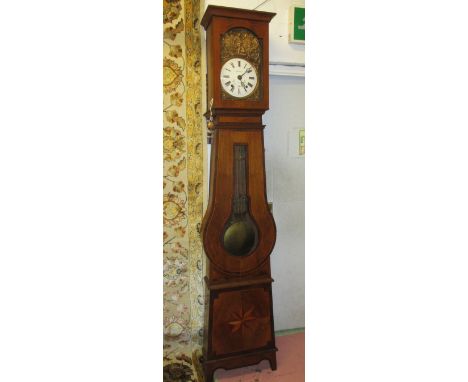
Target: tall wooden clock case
[(238, 229)]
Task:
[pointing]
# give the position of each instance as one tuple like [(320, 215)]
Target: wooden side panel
[(241, 321)]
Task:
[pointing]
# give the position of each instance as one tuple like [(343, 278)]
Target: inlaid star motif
[(241, 319)]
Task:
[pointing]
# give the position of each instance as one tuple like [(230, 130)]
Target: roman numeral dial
[(238, 77)]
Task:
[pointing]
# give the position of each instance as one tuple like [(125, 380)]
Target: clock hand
[(239, 77)]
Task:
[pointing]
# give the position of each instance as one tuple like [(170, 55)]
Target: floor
[(289, 358)]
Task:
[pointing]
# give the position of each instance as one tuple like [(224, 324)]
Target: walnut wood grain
[(237, 282), (220, 206)]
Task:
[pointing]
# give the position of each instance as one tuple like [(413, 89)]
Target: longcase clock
[(238, 229)]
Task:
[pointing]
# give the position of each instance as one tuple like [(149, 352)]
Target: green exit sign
[(297, 25)]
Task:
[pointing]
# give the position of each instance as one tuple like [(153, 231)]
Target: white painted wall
[(285, 188)]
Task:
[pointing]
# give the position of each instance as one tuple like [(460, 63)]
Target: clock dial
[(239, 77)]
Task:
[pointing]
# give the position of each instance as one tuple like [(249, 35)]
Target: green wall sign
[(297, 25)]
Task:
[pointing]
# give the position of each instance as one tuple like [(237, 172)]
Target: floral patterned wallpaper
[(183, 189)]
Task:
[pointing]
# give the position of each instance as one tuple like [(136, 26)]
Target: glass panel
[(240, 234)]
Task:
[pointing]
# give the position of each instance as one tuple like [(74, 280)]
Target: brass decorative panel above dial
[(243, 45)]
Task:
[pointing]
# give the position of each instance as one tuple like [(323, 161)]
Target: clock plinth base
[(234, 362), (239, 323)]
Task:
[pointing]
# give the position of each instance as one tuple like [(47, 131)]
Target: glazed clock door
[(239, 78)]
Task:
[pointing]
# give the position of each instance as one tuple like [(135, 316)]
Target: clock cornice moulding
[(245, 14)]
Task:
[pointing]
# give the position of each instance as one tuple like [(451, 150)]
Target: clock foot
[(208, 373), (272, 361), (234, 362)]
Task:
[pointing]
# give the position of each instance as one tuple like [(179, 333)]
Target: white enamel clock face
[(238, 77)]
